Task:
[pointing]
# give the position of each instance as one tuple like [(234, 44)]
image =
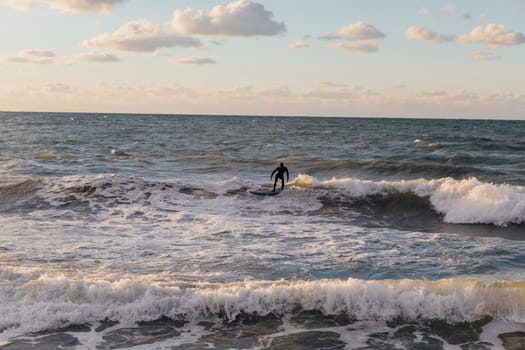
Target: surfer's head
[(282, 164)]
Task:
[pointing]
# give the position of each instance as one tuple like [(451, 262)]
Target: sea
[(126, 231)]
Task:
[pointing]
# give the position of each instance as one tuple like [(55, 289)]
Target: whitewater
[(140, 231)]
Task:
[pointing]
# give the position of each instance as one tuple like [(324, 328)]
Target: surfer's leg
[(275, 183), (282, 183)]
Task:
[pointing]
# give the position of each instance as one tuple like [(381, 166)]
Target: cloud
[(141, 36), (483, 56), (238, 18), (38, 53), (67, 6), (399, 86), (356, 31), (359, 37), (194, 60), (277, 92), (327, 91), (21, 59), (358, 46), (433, 93), (503, 98), (329, 84), (493, 36), (58, 88), (304, 99), (459, 97), (94, 57), (250, 94), (300, 44), (329, 95), (35, 56), (424, 12), (39, 56), (243, 92), (417, 33)]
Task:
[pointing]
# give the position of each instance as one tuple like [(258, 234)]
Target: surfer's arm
[(273, 172), (287, 175)]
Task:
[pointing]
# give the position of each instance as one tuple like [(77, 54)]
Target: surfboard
[(265, 193)]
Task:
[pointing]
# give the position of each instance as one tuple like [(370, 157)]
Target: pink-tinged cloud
[(67, 6), (356, 31), (418, 33), (359, 37), (20, 59), (34, 56), (238, 18), (94, 57), (492, 36), (37, 53), (141, 36)]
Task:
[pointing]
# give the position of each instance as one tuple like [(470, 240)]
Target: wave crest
[(48, 301), (466, 201)]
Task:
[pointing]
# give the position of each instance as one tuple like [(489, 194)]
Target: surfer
[(280, 170)]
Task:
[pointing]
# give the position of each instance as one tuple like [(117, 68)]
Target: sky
[(362, 58)]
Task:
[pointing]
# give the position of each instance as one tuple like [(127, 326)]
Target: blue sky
[(288, 57)]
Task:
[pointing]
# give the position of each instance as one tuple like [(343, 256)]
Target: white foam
[(492, 331), (49, 301), (466, 201)]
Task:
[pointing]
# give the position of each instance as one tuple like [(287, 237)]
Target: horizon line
[(416, 117)]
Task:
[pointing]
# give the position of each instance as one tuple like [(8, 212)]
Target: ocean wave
[(37, 302), (19, 194), (432, 164), (424, 167), (454, 201), (465, 201), (20, 188)]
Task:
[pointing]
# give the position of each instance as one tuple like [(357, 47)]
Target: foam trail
[(466, 201)]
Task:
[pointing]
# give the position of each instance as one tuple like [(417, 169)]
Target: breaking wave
[(36, 302), (466, 201), (458, 201)]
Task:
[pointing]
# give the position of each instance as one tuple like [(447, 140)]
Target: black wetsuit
[(280, 170)]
